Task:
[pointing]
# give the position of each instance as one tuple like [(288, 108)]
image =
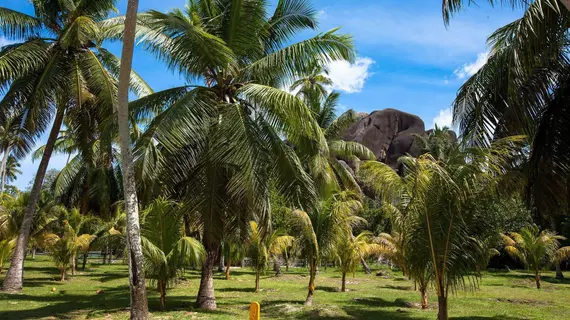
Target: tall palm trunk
[(206, 299), (139, 304), (162, 290), (277, 266), (3, 169), (62, 274), (312, 276), (84, 261), (14, 278), (343, 285), (559, 274)]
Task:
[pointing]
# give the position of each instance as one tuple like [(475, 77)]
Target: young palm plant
[(263, 246), (437, 198), (536, 249), (321, 229), (66, 240), (60, 67), (216, 145), (166, 249), (351, 250)]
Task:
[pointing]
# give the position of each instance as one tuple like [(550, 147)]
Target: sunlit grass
[(502, 295)]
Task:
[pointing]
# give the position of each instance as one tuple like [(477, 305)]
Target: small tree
[(536, 249), (262, 247), (352, 250), (63, 248), (165, 247)]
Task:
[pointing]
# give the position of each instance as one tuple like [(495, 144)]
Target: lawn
[(501, 295)]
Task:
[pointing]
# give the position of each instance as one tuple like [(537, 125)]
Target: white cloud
[(348, 77), (444, 118), (470, 69), (4, 41)]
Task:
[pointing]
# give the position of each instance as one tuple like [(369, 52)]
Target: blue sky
[(407, 58)]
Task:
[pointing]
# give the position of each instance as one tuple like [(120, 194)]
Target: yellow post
[(254, 311)]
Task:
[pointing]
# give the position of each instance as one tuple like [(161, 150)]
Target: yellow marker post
[(254, 311)]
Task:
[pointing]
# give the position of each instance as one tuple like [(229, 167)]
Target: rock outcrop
[(389, 133)]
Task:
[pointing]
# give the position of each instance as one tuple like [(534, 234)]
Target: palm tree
[(449, 7), (60, 67), (523, 89), (165, 247), (64, 245), (262, 247), (351, 250), (536, 249), (321, 229), (216, 145), (15, 142), (436, 201), (11, 170), (139, 305)]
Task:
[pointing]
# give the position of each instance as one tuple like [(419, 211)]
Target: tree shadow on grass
[(247, 290)]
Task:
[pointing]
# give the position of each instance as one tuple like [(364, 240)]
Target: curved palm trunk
[(14, 278), (537, 279), (312, 276), (365, 266), (139, 304), (3, 168), (566, 3), (206, 299), (343, 286)]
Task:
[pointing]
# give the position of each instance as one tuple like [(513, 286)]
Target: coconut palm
[(536, 249), (523, 89), (351, 250), (15, 142), (261, 247), (449, 7), (216, 145), (440, 224), (60, 67), (65, 242), (11, 171), (319, 230), (166, 249)]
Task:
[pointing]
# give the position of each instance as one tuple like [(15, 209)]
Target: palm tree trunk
[(365, 266), (62, 274), (442, 307), (206, 299), (423, 293), (139, 303), (343, 285), (73, 265), (162, 290), (537, 279), (14, 278), (221, 264), (228, 265), (277, 266), (84, 261), (3, 168), (257, 280), (312, 276), (34, 253), (559, 274), (566, 3)]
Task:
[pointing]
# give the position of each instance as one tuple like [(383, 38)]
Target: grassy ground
[(504, 296)]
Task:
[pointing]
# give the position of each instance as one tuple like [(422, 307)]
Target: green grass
[(505, 296)]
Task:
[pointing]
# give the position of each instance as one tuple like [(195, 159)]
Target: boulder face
[(389, 133)]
